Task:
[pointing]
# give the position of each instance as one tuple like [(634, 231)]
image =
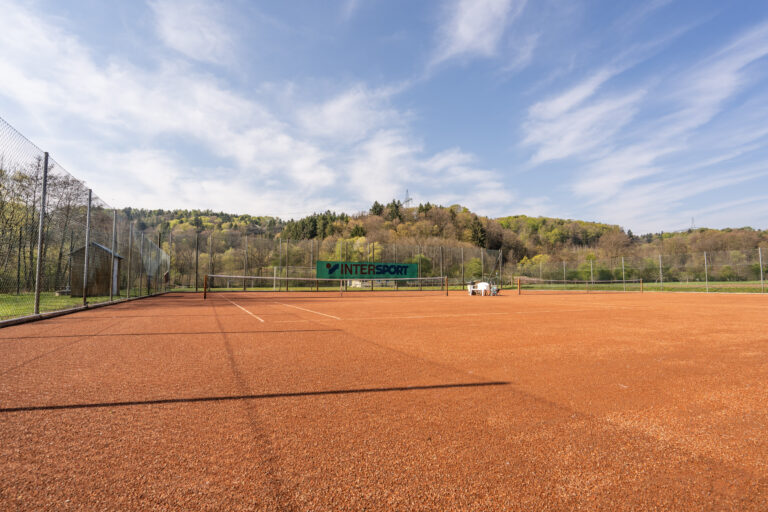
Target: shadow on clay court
[(199, 333), (248, 397)]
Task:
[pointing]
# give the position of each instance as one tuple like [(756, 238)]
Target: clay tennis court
[(250, 402)]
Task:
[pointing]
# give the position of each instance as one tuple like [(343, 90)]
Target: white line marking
[(309, 311), (241, 307)]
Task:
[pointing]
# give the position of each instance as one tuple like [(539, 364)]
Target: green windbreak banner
[(364, 270)]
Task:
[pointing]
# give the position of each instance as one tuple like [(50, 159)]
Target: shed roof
[(96, 244)]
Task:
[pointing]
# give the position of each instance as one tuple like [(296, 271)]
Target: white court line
[(309, 310), (241, 307), (458, 315)]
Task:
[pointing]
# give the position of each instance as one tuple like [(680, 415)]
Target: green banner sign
[(364, 270)]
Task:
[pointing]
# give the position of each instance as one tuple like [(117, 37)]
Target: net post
[(341, 287), (446, 285), (205, 287), (641, 285), (518, 287)]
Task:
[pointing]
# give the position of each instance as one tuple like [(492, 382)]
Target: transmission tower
[(408, 199)]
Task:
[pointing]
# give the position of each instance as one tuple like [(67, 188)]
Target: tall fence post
[(564, 278), (87, 248), (760, 256), (462, 267), (623, 276), (18, 263), (280, 261), (591, 272), (158, 252), (661, 273), (41, 226), (141, 263), (501, 269), (245, 261), (210, 253), (130, 260), (442, 273), (287, 261), (706, 273), (197, 259), (112, 276)]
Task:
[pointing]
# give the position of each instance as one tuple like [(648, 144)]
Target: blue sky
[(644, 114)]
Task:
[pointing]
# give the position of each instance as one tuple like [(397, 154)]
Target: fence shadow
[(164, 401)]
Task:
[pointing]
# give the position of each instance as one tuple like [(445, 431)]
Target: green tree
[(357, 231), (477, 232), (377, 208)]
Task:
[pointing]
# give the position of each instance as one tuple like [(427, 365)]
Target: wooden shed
[(99, 261)]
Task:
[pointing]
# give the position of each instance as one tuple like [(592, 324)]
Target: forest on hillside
[(518, 237)]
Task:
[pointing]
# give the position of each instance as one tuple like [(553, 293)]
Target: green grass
[(671, 286), (13, 306), (714, 286)]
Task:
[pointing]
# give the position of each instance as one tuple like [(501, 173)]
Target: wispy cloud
[(578, 130), (194, 28), (348, 9), (473, 28), (341, 151), (521, 50), (351, 115), (631, 167)]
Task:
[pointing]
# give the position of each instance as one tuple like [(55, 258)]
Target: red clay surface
[(551, 402)]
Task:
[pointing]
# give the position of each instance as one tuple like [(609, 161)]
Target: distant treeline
[(518, 236)]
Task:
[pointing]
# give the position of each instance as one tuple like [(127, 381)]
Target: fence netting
[(236, 253), (53, 262)]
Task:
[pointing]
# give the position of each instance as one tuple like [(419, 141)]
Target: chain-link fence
[(60, 245), (727, 271), (236, 253)]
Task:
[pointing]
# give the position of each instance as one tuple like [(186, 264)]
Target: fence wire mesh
[(237, 253), (43, 261), (717, 271)]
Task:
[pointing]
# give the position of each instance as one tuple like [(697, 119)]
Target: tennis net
[(214, 283), (532, 285)]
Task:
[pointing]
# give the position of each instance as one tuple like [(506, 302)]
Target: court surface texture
[(413, 402)]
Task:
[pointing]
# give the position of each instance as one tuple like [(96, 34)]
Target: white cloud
[(579, 131), (474, 28), (348, 9), (341, 152), (194, 28), (638, 169), (521, 52), (572, 97), (351, 115)]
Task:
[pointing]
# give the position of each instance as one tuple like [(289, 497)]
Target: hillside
[(518, 236)]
